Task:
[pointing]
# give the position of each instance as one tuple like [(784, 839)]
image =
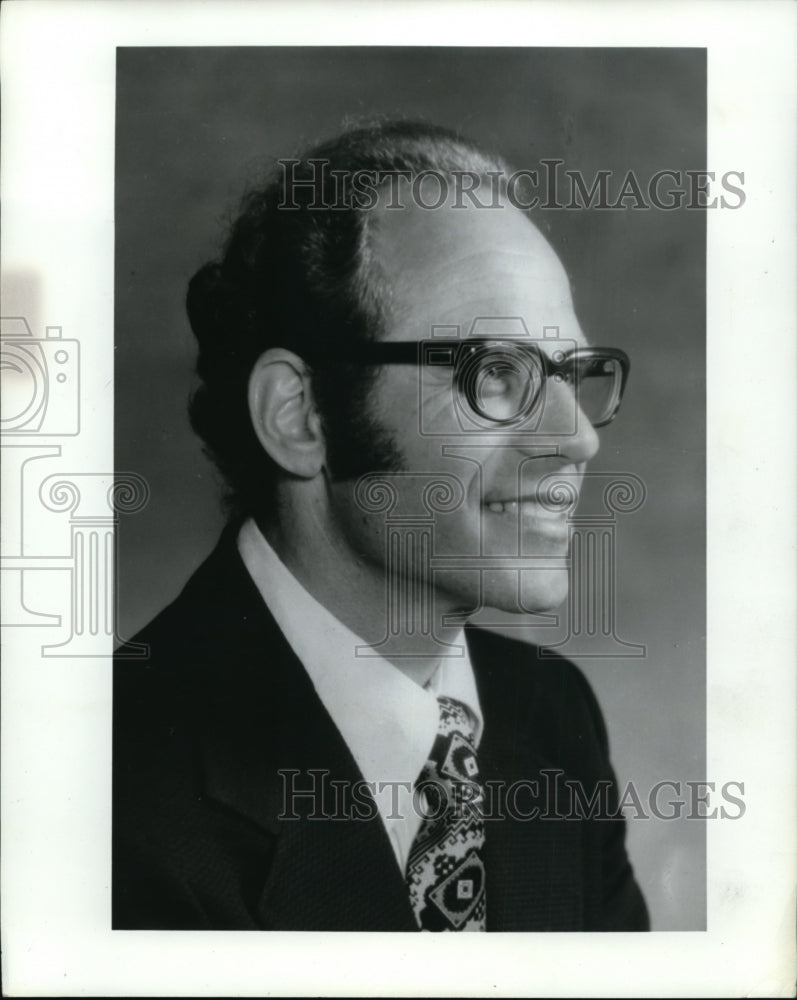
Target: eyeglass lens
[(504, 385)]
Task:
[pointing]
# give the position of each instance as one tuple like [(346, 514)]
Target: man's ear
[(284, 415)]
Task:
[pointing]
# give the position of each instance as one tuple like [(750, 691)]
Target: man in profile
[(394, 384)]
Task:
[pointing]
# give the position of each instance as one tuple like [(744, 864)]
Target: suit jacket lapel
[(331, 868), (262, 723)]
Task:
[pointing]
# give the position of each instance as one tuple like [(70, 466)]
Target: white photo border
[(59, 65)]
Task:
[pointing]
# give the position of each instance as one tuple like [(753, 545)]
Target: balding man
[(393, 382)]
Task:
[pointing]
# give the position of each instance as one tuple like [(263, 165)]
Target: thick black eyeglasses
[(504, 381)]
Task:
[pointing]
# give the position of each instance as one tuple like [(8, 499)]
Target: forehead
[(450, 266)]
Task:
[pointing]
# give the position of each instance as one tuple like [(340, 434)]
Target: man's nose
[(566, 423)]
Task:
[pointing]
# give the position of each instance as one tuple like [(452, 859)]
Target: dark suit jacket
[(203, 727)]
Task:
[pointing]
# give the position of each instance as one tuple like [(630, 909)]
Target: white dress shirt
[(388, 721)]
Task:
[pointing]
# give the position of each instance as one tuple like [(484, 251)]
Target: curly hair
[(298, 271)]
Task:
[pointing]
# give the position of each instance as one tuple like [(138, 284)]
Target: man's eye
[(495, 380)]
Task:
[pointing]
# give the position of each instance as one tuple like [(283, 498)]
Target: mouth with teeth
[(548, 527), (525, 505)]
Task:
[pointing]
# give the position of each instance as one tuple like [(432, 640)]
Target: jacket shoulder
[(542, 694), (169, 840)]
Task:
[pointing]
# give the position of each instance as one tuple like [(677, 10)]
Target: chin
[(546, 591), (537, 596), (540, 591)]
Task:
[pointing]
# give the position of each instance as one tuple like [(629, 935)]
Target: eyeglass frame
[(414, 352)]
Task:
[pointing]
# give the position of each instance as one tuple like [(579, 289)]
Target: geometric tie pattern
[(445, 869)]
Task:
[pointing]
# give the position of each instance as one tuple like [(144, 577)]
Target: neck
[(401, 617)]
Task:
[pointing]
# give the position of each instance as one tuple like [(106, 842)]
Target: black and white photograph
[(387, 513), (463, 287)]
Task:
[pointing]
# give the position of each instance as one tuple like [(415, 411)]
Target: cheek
[(361, 531), (416, 415), (394, 394), (459, 532)]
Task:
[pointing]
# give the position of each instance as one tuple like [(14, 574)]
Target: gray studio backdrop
[(194, 126)]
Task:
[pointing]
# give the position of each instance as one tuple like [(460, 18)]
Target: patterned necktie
[(445, 870)]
